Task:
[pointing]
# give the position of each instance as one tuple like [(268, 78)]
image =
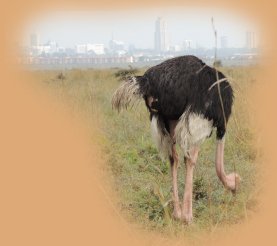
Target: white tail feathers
[(127, 94)]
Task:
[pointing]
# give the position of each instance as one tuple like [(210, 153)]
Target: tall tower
[(161, 38), (34, 40), (250, 40)]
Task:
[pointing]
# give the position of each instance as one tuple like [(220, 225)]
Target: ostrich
[(183, 99)]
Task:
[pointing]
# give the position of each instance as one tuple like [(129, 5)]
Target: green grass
[(140, 178)]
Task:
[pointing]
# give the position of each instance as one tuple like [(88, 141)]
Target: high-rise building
[(34, 40), (250, 40), (187, 44), (223, 42), (161, 37)]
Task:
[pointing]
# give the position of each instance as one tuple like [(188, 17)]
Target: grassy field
[(140, 178)]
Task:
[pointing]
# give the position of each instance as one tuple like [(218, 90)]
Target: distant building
[(35, 44), (250, 40), (161, 36), (53, 46), (81, 48), (34, 40), (117, 46), (40, 50), (43, 49), (37, 49), (187, 44), (175, 48), (224, 42), (97, 49)]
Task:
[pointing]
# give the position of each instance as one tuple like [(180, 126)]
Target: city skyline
[(118, 48), (71, 28)]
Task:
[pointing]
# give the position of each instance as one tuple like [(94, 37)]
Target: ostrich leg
[(174, 163), (187, 199), (230, 181), (175, 196)]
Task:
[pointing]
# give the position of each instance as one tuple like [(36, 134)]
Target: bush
[(125, 73)]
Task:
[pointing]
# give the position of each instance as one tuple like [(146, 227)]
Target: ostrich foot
[(187, 218), (177, 214), (232, 182)]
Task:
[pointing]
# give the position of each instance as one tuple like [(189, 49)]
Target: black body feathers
[(186, 84)]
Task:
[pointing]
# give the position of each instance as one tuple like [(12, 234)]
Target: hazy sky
[(137, 27)]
